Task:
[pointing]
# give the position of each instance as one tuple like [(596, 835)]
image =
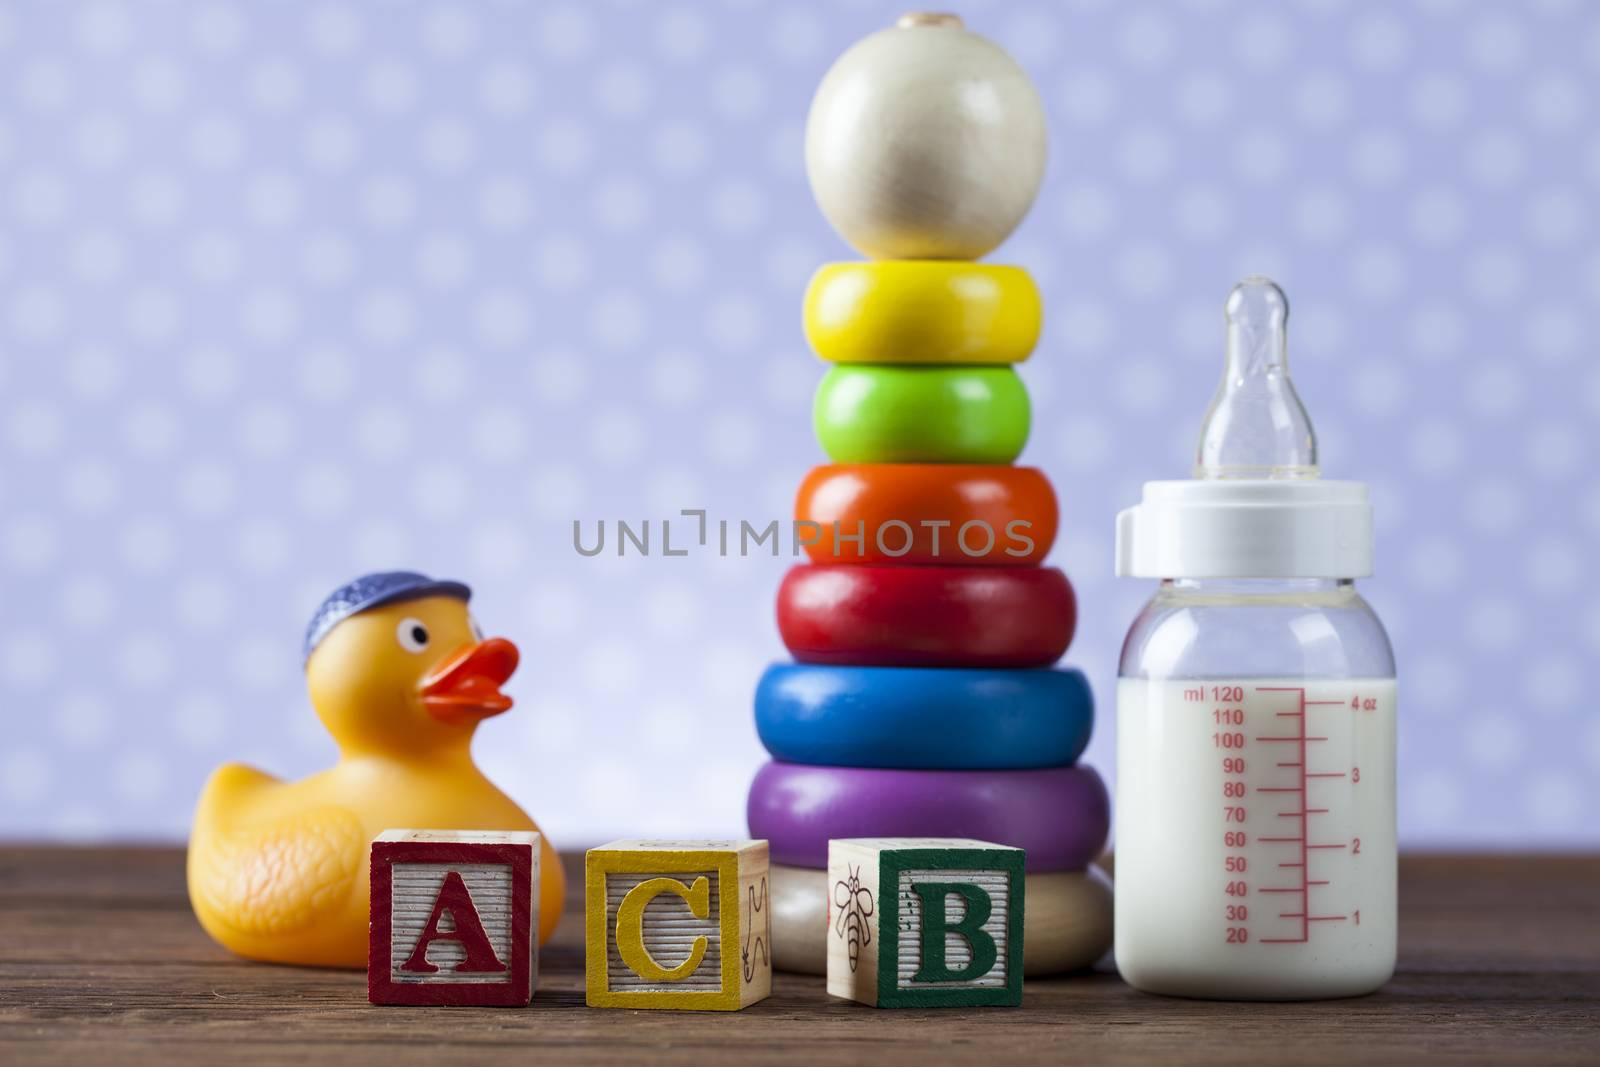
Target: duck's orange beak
[(467, 685)]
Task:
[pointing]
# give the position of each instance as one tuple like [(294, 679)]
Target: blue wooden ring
[(927, 718)]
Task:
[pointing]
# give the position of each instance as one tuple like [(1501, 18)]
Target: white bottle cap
[(1247, 528), (1257, 507)]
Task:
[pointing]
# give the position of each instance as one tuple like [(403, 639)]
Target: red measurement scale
[(1300, 796), (1271, 827)]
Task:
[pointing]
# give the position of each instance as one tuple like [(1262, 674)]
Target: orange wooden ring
[(926, 513)]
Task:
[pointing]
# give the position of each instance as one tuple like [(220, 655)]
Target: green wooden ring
[(886, 414)]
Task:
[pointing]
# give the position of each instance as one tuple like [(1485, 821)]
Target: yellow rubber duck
[(401, 677)]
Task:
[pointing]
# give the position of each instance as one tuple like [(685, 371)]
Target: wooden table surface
[(100, 959)]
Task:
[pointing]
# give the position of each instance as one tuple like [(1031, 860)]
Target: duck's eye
[(412, 635), (477, 631)]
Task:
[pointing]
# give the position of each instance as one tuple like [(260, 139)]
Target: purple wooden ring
[(1059, 815)]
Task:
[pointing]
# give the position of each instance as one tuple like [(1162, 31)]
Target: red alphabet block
[(453, 916)]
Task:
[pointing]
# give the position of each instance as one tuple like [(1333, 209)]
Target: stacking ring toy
[(1066, 924), (1060, 816), (953, 514), (922, 311), (921, 414), (926, 616), (923, 717)]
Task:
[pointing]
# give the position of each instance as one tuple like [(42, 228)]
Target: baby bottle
[(1255, 821)]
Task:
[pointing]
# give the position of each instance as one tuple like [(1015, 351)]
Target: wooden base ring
[(1066, 925)]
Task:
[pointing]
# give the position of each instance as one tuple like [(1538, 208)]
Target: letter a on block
[(677, 924), (925, 922), (455, 898), (453, 917)]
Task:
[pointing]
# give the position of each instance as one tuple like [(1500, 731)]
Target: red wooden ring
[(876, 615)]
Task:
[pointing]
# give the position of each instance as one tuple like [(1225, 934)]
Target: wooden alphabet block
[(678, 924), (453, 918), (925, 922)]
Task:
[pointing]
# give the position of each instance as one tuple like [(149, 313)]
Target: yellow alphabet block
[(677, 924)]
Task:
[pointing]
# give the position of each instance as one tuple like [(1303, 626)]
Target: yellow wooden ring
[(922, 311)]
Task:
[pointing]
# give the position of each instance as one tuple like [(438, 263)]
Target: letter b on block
[(677, 924), (919, 922)]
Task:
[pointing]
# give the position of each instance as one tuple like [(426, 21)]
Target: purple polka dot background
[(290, 292)]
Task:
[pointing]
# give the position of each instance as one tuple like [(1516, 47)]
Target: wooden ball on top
[(925, 141)]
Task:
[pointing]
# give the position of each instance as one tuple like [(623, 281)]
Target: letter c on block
[(630, 927)]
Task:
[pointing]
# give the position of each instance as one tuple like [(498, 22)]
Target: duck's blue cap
[(371, 591)]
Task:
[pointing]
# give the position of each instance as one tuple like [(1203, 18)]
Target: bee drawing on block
[(854, 902)]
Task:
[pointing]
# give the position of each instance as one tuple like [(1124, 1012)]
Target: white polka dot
[(678, 263), (617, 320), (1436, 331), (444, 260), (502, 318), (504, 204), (101, 141), (263, 545)]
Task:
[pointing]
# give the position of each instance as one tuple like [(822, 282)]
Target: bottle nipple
[(1256, 426)]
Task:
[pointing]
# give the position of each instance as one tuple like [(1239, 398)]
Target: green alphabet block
[(925, 922)]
